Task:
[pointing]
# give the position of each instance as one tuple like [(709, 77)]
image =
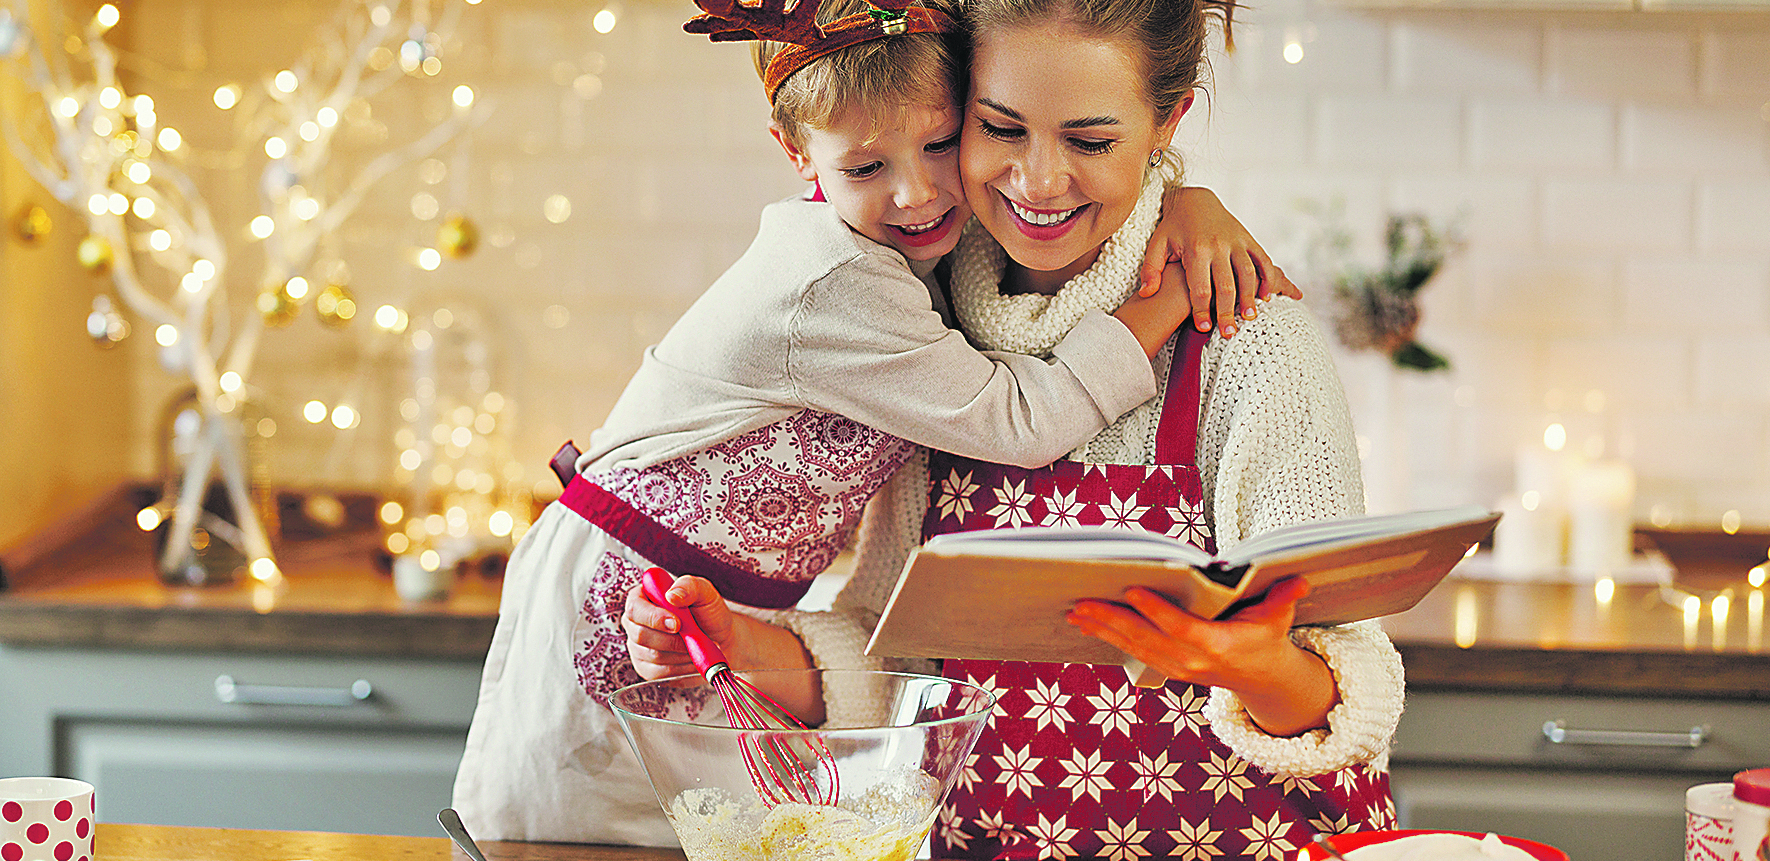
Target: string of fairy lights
[(108, 155)]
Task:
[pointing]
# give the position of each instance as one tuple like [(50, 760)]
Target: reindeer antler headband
[(735, 21)]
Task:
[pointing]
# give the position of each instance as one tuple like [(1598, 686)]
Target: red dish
[(1349, 842)]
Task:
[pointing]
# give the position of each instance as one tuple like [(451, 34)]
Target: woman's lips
[(928, 233), (1042, 224)]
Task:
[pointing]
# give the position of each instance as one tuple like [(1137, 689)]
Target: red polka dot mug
[(45, 819)]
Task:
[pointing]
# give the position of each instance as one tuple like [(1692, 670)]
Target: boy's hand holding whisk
[(655, 644)]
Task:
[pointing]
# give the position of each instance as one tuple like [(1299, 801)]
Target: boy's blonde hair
[(881, 76)]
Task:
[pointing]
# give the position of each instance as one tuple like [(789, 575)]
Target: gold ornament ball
[(335, 305), (457, 236), (33, 223), (94, 254), (278, 308)]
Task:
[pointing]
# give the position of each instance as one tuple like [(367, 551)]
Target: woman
[(1268, 735), (1072, 107)]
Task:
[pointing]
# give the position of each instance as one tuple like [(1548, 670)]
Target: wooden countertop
[(94, 586), (1466, 635), (1564, 638), (117, 842)]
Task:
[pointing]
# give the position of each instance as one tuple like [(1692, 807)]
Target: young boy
[(747, 444)]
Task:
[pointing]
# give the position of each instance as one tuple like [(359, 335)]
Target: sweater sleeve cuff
[(1106, 358), (836, 642), (1368, 673)]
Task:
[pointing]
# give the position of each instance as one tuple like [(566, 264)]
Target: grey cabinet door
[(1611, 788), (288, 747)]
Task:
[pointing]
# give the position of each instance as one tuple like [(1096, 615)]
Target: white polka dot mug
[(45, 819)]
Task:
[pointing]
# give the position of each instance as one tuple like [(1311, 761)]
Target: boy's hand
[(1201, 248), (654, 637)]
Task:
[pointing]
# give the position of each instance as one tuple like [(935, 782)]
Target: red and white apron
[(760, 515), (1076, 761)]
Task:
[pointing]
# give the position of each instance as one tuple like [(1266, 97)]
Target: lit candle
[(1531, 537), (1601, 498)]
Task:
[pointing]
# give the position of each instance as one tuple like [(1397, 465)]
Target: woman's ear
[(1165, 134), (801, 162)]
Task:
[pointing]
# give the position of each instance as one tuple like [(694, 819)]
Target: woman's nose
[(1041, 174)]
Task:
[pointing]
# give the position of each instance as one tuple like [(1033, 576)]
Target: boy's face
[(895, 183)]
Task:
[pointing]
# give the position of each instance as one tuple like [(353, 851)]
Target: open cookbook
[(1002, 594)]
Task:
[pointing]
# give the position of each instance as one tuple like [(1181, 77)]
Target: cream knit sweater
[(1275, 447)]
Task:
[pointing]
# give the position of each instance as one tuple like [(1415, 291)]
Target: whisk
[(785, 767)]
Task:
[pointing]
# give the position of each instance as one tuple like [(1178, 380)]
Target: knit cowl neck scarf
[(1033, 323)]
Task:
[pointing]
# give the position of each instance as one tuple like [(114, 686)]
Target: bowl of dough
[(862, 785), (1422, 845)]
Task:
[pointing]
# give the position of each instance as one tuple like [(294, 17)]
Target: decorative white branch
[(81, 153)]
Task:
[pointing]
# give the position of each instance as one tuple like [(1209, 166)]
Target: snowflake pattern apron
[(1077, 762)]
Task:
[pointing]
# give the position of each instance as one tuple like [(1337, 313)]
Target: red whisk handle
[(706, 655)]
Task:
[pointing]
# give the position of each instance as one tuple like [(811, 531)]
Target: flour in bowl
[(887, 823), (1440, 847)]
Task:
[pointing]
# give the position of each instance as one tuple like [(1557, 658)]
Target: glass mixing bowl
[(893, 764)]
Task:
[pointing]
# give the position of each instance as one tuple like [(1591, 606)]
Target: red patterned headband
[(735, 21)]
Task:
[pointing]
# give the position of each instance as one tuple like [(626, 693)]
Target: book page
[(1323, 534), (1069, 542)]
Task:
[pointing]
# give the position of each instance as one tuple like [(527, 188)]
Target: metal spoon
[(1319, 840), (451, 822)]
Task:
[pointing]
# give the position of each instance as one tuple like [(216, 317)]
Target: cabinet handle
[(1558, 733), (229, 691)]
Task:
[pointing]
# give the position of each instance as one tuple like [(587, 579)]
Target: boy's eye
[(1093, 147), (944, 145), (1001, 133), (863, 171)]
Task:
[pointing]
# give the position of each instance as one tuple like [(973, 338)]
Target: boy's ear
[(801, 161), (1165, 134)]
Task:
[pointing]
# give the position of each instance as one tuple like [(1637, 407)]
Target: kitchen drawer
[(289, 746), (1638, 734), (103, 683)]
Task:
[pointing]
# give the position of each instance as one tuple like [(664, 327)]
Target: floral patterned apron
[(1077, 762)]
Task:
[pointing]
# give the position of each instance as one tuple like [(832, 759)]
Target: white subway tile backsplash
[(1235, 131), (1616, 175), (1496, 211), (1633, 370), (1606, 62), (1711, 454), (1389, 132), (1620, 213), (1341, 53), (1568, 136), (1658, 139), (1692, 295), (1734, 215), (1734, 373), (1736, 66), (1543, 296), (1453, 57)]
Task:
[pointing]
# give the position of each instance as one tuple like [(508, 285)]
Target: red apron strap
[(672, 552), (1176, 439)]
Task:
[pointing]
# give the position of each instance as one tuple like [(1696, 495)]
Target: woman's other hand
[(1199, 247), (1287, 690)]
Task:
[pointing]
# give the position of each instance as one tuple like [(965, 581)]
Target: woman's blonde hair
[(1170, 33), (881, 76)]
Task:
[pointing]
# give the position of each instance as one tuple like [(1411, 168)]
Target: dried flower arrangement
[(1379, 309)]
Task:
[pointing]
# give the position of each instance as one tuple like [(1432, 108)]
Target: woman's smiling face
[(1058, 134)]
